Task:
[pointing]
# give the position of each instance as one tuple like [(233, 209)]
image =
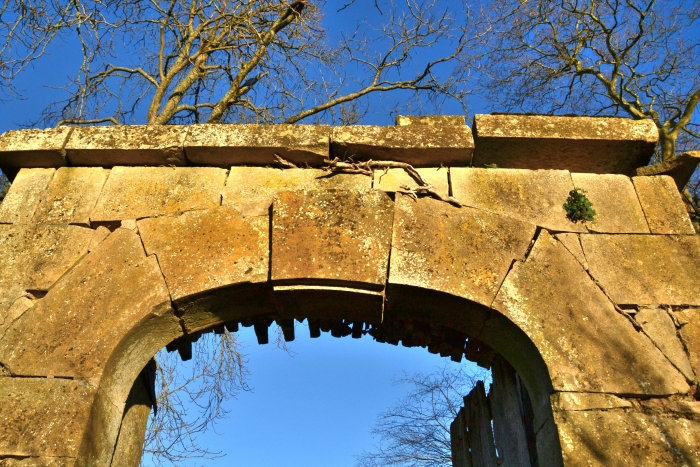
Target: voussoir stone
[(689, 320), (394, 180), (578, 144), (462, 251), (573, 244), (406, 120), (586, 344), (138, 192), (107, 146), (535, 196), (43, 417), (35, 256), (645, 269), (71, 195), (25, 194), (74, 329), (250, 190), (227, 145), (658, 325), (34, 148), (663, 205), (331, 236), (418, 145), (611, 438), (615, 203), (203, 250)]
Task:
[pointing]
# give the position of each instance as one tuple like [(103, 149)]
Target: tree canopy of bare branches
[(415, 432)]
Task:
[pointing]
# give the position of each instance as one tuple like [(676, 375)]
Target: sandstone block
[(690, 334), (663, 205), (250, 190), (571, 401), (43, 417), (25, 194), (227, 145), (35, 256), (38, 462), (658, 325), (74, 329), (34, 148), (418, 145), (107, 146), (432, 120), (101, 233), (203, 250), (578, 144), (645, 269), (461, 251), (614, 201), (606, 438), (393, 179), (138, 192), (680, 168), (337, 237), (536, 197), (71, 195), (586, 344)]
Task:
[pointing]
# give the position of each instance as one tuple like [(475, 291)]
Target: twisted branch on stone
[(365, 168)]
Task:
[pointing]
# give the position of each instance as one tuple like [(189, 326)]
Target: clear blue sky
[(313, 409)]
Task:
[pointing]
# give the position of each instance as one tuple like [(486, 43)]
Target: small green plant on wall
[(578, 207)]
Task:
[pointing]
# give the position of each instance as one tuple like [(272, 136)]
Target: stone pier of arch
[(118, 241)]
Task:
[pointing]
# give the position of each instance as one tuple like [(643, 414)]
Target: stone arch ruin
[(118, 241)]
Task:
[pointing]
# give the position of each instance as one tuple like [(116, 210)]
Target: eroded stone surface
[(607, 438), (418, 145), (587, 345), (573, 244), (614, 201), (25, 194), (202, 250), (587, 401), (101, 233), (462, 251), (250, 190), (658, 325), (645, 269), (663, 205), (534, 196), (86, 314), (138, 192), (331, 236), (35, 256), (689, 320), (107, 146), (394, 179), (227, 145), (405, 120), (71, 195), (34, 148), (579, 144), (43, 417), (38, 462)]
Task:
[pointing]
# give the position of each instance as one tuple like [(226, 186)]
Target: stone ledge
[(432, 120), (227, 145), (418, 145), (34, 148), (577, 144), (107, 146)]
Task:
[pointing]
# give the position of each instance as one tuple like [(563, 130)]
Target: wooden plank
[(459, 442), (509, 429), (479, 431)]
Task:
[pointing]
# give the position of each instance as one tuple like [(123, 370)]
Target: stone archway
[(105, 267)]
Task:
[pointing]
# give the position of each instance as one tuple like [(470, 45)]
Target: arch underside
[(557, 303)]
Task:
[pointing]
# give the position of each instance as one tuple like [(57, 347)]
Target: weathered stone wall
[(116, 242)]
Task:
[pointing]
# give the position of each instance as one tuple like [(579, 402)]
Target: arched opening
[(444, 324)]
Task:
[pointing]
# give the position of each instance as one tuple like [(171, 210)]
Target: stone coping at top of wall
[(577, 144)]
